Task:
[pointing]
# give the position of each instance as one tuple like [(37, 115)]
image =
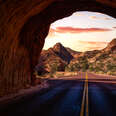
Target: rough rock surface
[(103, 61), (100, 61), (111, 46), (58, 55), (24, 24)]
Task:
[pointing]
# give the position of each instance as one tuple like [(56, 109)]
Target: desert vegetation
[(61, 61)]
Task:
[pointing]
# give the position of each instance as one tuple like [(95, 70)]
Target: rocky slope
[(100, 61), (65, 59), (58, 56)]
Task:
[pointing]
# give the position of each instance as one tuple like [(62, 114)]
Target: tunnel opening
[(79, 43), (24, 27)]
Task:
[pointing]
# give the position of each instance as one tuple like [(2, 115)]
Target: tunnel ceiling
[(24, 24)]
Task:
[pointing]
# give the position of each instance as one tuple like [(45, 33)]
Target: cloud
[(78, 14), (100, 18), (93, 48), (106, 18), (90, 45), (94, 17), (92, 42), (79, 30)]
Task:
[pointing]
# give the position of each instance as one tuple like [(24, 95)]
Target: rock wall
[(24, 24)]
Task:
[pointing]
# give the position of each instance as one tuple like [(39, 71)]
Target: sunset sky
[(82, 31)]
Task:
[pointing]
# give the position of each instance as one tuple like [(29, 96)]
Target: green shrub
[(85, 66), (97, 69), (69, 68), (53, 68), (111, 67), (103, 56), (91, 69), (72, 67), (114, 59)]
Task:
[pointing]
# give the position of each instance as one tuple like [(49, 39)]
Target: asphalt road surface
[(86, 94)]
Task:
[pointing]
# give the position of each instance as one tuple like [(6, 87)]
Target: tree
[(72, 67), (85, 66), (54, 68)]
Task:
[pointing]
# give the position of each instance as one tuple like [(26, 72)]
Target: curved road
[(86, 94)]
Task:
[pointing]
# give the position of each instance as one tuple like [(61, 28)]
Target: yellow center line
[(85, 96), (87, 102), (83, 101)]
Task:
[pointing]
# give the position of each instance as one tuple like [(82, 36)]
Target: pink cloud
[(94, 48), (100, 18), (91, 42), (79, 30), (106, 18), (90, 45), (94, 17)]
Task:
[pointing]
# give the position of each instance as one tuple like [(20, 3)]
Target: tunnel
[(24, 26)]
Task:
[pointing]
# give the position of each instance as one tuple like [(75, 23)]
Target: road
[(86, 94)]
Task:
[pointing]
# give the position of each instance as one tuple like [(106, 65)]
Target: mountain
[(62, 52), (111, 46), (75, 54), (99, 61), (61, 58), (58, 56)]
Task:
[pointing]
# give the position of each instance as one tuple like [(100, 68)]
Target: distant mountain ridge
[(98, 61)]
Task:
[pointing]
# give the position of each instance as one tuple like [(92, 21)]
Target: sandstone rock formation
[(103, 61), (24, 24), (58, 55), (111, 46)]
